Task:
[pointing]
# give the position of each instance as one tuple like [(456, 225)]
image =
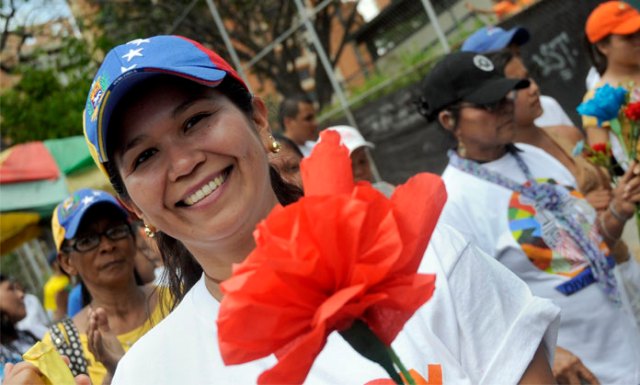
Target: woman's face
[(12, 301), (527, 102), (622, 49), (361, 166), (287, 162), (111, 261), (486, 128), (194, 165)]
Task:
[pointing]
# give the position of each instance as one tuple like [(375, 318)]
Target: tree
[(48, 102), (252, 25)]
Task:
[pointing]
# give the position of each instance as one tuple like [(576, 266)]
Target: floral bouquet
[(343, 258), (613, 105)]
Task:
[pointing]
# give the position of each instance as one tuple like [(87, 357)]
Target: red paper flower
[(632, 111), (341, 253), (601, 148)]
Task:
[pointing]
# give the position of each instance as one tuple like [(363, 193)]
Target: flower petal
[(405, 295), (417, 218), (328, 170), (294, 365)]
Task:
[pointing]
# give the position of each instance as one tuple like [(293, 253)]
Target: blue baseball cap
[(489, 39), (127, 64), (68, 214)]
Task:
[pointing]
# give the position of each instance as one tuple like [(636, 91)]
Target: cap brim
[(72, 228), (494, 90), (628, 27), (210, 77)]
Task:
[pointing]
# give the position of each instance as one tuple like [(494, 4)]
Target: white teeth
[(204, 191)]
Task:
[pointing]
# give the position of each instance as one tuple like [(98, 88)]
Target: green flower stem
[(617, 130), (398, 363), (365, 342)]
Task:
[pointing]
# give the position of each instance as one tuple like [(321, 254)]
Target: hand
[(599, 199), (25, 373), (568, 369), (102, 341), (627, 192), (22, 373)]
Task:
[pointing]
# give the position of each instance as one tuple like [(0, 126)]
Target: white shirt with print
[(603, 335), (482, 326)]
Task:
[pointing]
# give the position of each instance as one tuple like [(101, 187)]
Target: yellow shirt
[(95, 369), (53, 286)]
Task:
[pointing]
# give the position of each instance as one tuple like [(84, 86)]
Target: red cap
[(612, 17)]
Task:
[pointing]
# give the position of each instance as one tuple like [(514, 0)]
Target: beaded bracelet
[(616, 214)]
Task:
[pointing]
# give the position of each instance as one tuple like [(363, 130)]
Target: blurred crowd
[(555, 205)]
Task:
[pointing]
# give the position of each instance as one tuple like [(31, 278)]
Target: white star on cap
[(133, 53), (137, 42), (125, 69), (88, 200)]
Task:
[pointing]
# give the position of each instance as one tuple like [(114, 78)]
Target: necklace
[(557, 210)]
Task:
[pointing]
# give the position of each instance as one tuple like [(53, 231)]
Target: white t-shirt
[(552, 113), (603, 335), (592, 79), (36, 320), (482, 326)]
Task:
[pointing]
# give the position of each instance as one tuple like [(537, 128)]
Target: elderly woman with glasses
[(521, 206), (95, 241)]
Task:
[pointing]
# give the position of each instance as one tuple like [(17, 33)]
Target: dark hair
[(501, 58), (288, 142), (289, 108), (181, 269), (597, 58), (8, 332)]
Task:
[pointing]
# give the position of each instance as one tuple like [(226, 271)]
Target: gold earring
[(275, 145), (147, 230), (462, 150)]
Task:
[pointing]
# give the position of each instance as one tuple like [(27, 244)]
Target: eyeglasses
[(92, 241)]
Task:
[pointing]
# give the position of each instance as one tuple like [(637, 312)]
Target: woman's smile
[(214, 184)]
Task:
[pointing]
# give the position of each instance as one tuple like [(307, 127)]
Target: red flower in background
[(601, 148), (342, 253), (632, 112)]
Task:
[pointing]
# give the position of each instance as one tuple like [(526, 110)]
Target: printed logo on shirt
[(547, 245), (434, 377)]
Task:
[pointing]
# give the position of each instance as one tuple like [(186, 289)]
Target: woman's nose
[(182, 161), (533, 87)]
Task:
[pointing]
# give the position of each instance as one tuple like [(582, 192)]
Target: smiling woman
[(186, 146)]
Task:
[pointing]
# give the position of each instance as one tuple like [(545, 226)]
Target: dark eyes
[(191, 122), (146, 154), (188, 125)]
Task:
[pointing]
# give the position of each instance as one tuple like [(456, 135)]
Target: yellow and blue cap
[(68, 214), (129, 63)]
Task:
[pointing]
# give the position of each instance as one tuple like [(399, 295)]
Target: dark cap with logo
[(464, 77)]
